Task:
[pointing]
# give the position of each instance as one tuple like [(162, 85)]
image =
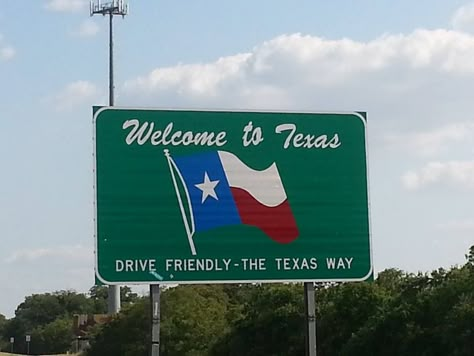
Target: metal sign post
[(310, 307), (12, 342), (155, 319)]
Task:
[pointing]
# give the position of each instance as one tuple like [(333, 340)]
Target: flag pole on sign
[(189, 229)]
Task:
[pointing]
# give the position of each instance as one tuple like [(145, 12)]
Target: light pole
[(110, 8)]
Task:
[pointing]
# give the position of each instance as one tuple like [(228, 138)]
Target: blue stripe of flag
[(212, 213)]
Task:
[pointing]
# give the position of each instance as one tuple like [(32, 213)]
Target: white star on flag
[(208, 188)]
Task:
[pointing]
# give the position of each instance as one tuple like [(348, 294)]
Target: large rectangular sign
[(223, 196)]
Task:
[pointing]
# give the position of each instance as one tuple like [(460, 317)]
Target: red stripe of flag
[(277, 222)]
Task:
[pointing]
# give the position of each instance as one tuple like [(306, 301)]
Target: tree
[(3, 337), (426, 314), (193, 319), (343, 310), (99, 294), (3, 323), (55, 337), (127, 334), (272, 323), (470, 256), (40, 310)]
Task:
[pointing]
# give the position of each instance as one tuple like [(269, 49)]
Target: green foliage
[(194, 318), (47, 318), (3, 324), (429, 314), (98, 297), (41, 309), (53, 337), (470, 256), (126, 335), (271, 323), (344, 309)]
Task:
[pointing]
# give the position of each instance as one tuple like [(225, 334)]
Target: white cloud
[(434, 141), (66, 253), (459, 173), (66, 5), (76, 93), (298, 71), (466, 225), (88, 28), (194, 79), (463, 18), (7, 52)]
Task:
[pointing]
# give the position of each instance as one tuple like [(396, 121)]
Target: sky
[(408, 64)]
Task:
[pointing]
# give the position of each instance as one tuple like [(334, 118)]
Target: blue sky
[(409, 64)]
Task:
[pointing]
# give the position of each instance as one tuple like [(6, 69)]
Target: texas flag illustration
[(221, 190)]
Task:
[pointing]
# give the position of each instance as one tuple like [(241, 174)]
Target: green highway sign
[(185, 196)]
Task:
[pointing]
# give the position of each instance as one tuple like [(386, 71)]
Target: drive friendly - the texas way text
[(174, 265)]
